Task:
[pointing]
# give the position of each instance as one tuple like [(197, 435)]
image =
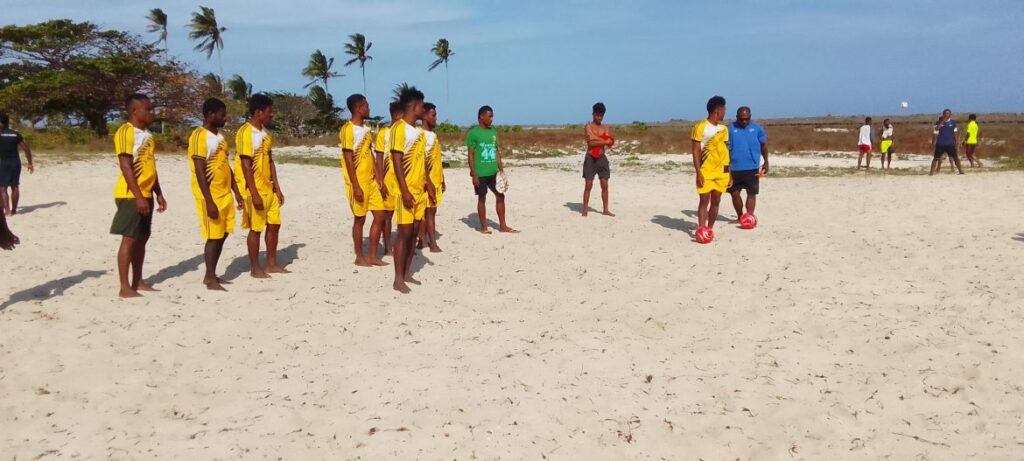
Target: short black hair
[(946, 110), (259, 101), (885, 121), (395, 107), (213, 105), (482, 110), (867, 119), (429, 106), (5, 120), (132, 98), (969, 117), (715, 102), (409, 96), (741, 109), (352, 101), (599, 108)]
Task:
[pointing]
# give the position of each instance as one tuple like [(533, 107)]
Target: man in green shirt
[(484, 166), (971, 141)]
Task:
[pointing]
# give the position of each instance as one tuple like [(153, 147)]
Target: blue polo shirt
[(745, 146), (946, 133)]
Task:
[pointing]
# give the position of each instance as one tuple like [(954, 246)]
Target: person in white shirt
[(864, 144)]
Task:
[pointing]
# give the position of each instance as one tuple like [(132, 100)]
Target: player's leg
[(376, 229), (604, 197), (587, 185), (16, 196), (499, 205), (124, 261), (860, 157), (956, 160), (273, 233), (737, 201), (252, 243), (138, 261), (410, 253), (430, 223), (716, 198), (405, 231), (702, 209), (386, 235), (211, 254), (5, 198), (357, 240), (481, 207)]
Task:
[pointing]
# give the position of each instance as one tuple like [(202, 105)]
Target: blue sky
[(548, 61)]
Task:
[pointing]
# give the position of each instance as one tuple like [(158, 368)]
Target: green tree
[(208, 34), (158, 23), (443, 52), (328, 116), (238, 88), (319, 69), (357, 47), (292, 111)]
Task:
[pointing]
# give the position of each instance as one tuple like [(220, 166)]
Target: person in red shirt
[(595, 162)]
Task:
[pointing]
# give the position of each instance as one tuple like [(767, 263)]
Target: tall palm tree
[(443, 53), (208, 34), (158, 23), (400, 88), (319, 69), (358, 47), (239, 88)]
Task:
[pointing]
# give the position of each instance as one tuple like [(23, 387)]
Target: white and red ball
[(704, 235), (748, 221)]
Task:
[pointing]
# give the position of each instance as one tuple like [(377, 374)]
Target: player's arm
[(127, 165), (956, 136), (250, 182), (204, 186), (695, 147), (161, 204), (764, 155), (472, 167), (273, 176), (378, 165), (935, 134), (28, 156), (350, 168), (234, 190), (497, 154), (399, 166), (594, 139), (427, 183)]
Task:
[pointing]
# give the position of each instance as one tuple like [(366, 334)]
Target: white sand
[(864, 312)]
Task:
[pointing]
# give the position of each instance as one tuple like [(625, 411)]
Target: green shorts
[(127, 220)]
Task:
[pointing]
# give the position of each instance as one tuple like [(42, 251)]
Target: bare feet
[(362, 262), (278, 270), (409, 279), (376, 262), (420, 245), (143, 286), (584, 213), (223, 282), (401, 287), (607, 213), (508, 230), (435, 249), (215, 285), (259, 274), (485, 231), (127, 292)]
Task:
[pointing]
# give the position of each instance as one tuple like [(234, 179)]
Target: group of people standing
[(945, 138)]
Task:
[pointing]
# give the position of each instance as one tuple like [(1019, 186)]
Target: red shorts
[(865, 148)]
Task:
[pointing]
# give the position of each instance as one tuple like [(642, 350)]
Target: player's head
[(396, 110), (946, 114), (598, 112), (972, 117), (743, 117), (716, 107), (867, 120), (429, 114), (411, 100), (357, 105), (215, 112), (485, 116), (5, 121), (261, 108), (886, 122), (139, 108)]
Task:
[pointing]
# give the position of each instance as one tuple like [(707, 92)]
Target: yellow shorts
[(372, 200), (716, 183), (216, 229), (405, 215), (257, 220), (886, 145)]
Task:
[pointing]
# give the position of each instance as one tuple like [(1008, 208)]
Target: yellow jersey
[(129, 140), (433, 149), (357, 139), (972, 132), (213, 148), (255, 144), (714, 149), (411, 141)]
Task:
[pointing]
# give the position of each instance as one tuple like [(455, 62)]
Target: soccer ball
[(704, 235), (748, 221)]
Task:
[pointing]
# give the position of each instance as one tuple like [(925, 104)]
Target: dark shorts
[(10, 172), (596, 167), (746, 179), (969, 149), (487, 182), (947, 150), (127, 220)]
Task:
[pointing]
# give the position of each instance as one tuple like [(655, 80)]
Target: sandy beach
[(870, 316)]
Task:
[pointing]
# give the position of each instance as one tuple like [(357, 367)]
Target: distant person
[(213, 186), (382, 164), (885, 147), (7, 238), (358, 169), (945, 137), (748, 146), (971, 141), (137, 185), (484, 166), (711, 161), (257, 179), (435, 174), (595, 163), (864, 144), (10, 164)]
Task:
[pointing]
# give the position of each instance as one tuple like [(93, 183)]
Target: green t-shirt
[(484, 142)]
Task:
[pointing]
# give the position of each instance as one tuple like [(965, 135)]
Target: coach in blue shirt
[(945, 138), (748, 144)]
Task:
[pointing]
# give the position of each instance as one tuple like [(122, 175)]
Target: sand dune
[(869, 317)]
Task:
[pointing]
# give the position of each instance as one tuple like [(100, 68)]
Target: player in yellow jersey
[(382, 165), (257, 176), (710, 140), (213, 184), (357, 165), (412, 191), (970, 141), (435, 174), (136, 187)]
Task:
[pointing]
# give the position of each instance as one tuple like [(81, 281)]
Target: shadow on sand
[(49, 290)]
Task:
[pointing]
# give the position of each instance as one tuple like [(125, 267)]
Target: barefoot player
[(484, 166), (10, 165), (711, 161), (888, 136), (970, 142), (598, 139), (357, 164), (137, 184), (435, 173), (382, 165)]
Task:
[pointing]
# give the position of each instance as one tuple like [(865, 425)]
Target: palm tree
[(443, 53), (358, 47), (239, 88), (319, 69), (209, 34), (400, 88), (158, 23)]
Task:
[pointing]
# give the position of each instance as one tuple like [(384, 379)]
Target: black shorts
[(969, 149), (10, 172), (127, 220), (596, 167), (947, 150), (487, 182), (746, 179)]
